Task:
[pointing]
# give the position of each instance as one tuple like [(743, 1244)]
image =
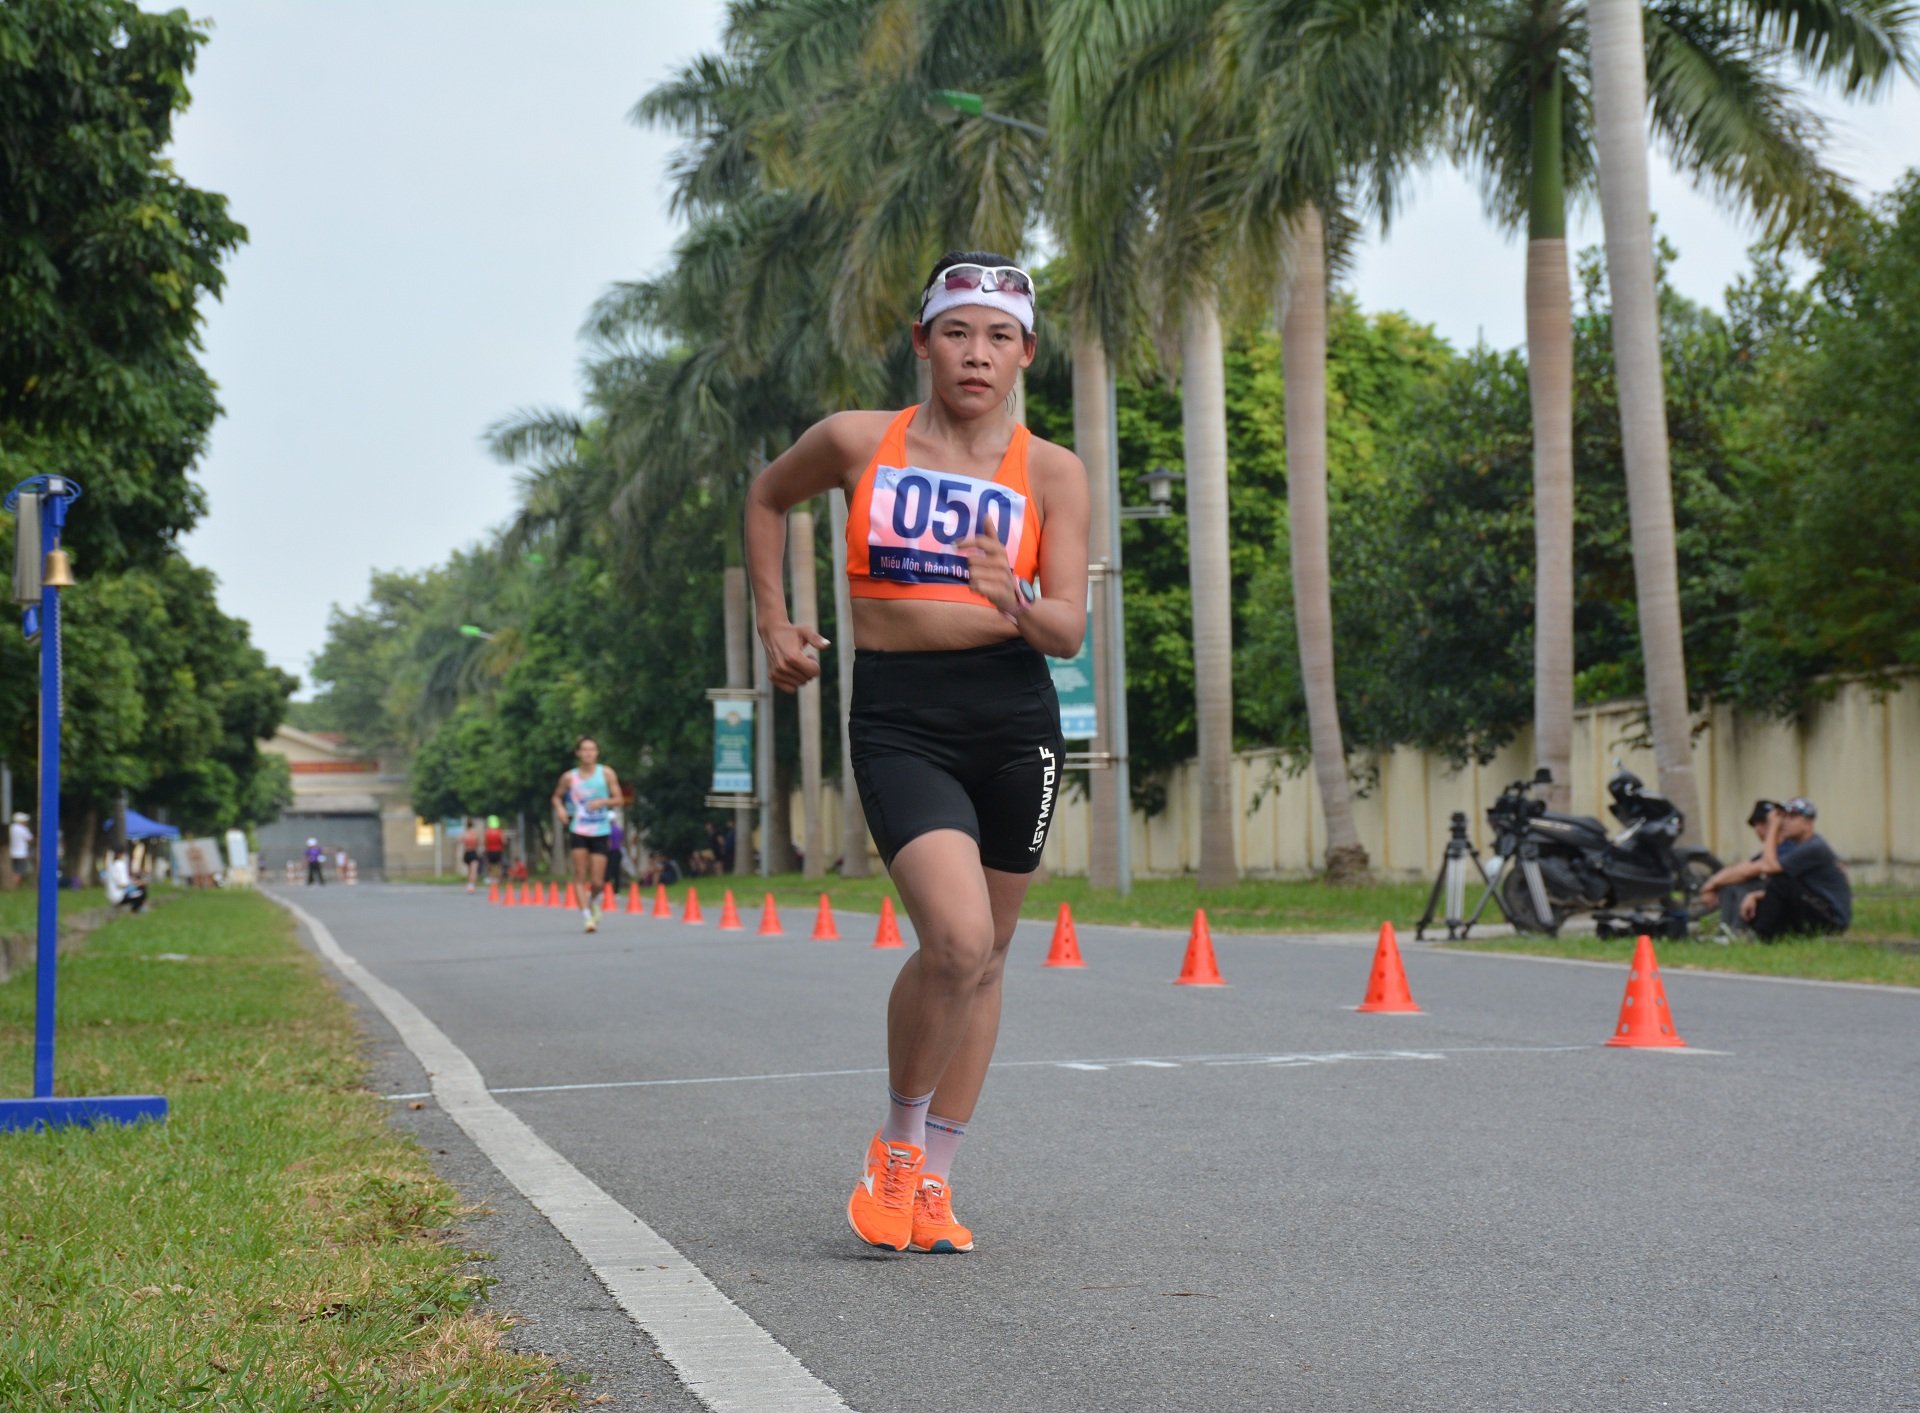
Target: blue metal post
[(44, 1110), (48, 949)]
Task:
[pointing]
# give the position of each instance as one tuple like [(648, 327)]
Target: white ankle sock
[(906, 1119), (943, 1142)]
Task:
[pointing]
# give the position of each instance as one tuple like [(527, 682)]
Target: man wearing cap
[(1806, 889), (1731, 885), (19, 849), (316, 863)]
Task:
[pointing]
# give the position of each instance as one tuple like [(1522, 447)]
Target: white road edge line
[(1171, 1062), (726, 1360)]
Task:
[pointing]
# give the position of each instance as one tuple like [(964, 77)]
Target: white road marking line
[(1162, 1063), (726, 1360)]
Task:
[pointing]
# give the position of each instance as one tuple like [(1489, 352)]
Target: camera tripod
[(1452, 882)]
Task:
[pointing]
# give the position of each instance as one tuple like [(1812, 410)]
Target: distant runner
[(470, 851), (582, 802), (494, 842)]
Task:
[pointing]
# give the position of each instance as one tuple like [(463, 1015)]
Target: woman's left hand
[(988, 572)]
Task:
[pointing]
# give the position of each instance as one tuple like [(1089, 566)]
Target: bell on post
[(59, 570)]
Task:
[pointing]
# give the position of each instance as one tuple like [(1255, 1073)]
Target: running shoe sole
[(942, 1247)]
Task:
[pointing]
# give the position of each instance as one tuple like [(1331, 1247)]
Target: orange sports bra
[(905, 523)]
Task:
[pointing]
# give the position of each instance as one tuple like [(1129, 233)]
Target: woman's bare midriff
[(909, 626)]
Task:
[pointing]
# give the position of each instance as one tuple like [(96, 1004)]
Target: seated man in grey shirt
[(1731, 885), (1806, 886)]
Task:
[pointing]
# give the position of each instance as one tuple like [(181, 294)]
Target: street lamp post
[(948, 106)]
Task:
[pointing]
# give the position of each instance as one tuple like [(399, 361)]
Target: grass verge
[(20, 907), (274, 1245)]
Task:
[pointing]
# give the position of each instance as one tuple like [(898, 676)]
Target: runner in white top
[(583, 802)]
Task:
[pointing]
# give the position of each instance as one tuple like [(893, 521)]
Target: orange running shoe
[(934, 1228), (881, 1209)]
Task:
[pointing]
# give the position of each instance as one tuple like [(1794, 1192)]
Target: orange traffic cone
[(506, 896), (1644, 1018), (1065, 951), (1200, 969), (1387, 988), (823, 927), (573, 898), (691, 912), (523, 897), (633, 897), (730, 915), (493, 892), (606, 898), (661, 908), (770, 920), (889, 932), (553, 894)]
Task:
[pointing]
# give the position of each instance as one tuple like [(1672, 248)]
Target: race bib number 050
[(916, 518)]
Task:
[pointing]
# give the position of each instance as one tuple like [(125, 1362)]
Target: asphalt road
[(1242, 1198)]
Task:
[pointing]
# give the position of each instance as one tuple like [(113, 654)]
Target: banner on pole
[(1073, 684), (733, 746)]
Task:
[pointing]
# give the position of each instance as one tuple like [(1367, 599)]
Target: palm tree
[(856, 139), (1619, 109), (1716, 97), (1268, 80), (1864, 42), (739, 167)]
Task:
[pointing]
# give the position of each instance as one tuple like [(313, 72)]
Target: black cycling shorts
[(966, 740), (592, 843)]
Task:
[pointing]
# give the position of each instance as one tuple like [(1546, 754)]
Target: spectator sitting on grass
[(124, 886), (1806, 888), (1731, 885)]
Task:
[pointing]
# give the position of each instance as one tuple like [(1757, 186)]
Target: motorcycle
[(1548, 866)]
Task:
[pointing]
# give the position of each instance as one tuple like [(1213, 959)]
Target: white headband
[(942, 299)]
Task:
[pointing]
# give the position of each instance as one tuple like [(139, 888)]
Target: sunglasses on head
[(1008, 279)]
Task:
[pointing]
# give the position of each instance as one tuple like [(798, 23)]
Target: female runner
[(582, 805), (953, 508)]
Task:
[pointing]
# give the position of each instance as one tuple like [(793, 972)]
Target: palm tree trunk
[(739, 674), (1619, 107), (1090, 441), (853, 815), (806, 609), (1203, 405), (1550, 391), (1303, 351)]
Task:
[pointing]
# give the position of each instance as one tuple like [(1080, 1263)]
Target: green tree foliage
[(105, 254), (1378, 367), (1835, 576), (168, 700), (105, 257)]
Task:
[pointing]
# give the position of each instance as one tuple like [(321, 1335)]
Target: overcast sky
[(436, 192)]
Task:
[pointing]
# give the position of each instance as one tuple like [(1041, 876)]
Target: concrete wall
[(1857, 757)]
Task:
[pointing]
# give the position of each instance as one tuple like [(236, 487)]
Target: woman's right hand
[(788, 663)]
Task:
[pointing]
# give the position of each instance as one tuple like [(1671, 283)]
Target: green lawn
[(274, 1245), (20, 907)]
